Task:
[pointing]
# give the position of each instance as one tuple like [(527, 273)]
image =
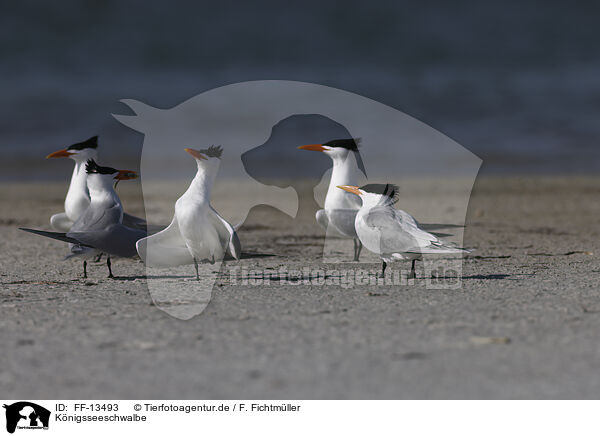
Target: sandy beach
[(524, 324)]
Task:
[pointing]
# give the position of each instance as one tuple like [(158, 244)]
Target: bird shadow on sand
[(492, 276), (485, 277), (226, 261), (254, 256), (132, 278), (37, 282), (442, 235)]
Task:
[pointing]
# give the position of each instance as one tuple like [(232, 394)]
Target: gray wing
[(405, 217), (227, 235), (343, 221), (440, 226), (322, 219), (54, 235), (97, 218), (135, 222), (427, 227), (116, 240), (396, 232)]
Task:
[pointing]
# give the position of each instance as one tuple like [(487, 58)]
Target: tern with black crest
[(78, 195), (100, 227), (197, 232), (340, 207), (391, 233)]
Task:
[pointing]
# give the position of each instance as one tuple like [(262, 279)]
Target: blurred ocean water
[(516, 83)]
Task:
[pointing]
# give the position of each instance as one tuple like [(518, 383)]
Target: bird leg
[(85, 269), (98, 258), (357, 249), (108, 264), (196, 265), (412, 274), (383, 269)]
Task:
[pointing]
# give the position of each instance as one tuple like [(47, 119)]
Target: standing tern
[(391, 233), (340, 208), (100, 228), (78, 195), (197, 232)]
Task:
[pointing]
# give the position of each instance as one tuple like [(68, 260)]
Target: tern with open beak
[(78, 195), (391, 233), (100, 228), (340, 208), (197, 232)]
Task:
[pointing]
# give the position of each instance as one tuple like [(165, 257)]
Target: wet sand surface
[(524, 324)]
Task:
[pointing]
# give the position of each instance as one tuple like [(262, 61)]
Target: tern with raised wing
[(78, 195), (100, 227), (391, 233), (340, 208), (197, 232)]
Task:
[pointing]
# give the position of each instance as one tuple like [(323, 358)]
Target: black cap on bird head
[(205, 154), (213, 151), (351, 144), (91, 167), (385, 189), (88, 143)]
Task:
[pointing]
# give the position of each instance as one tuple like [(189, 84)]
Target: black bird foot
[(411, 274), (357, 249), (196, 266), (382, 273), (109, 264), (98, 258)]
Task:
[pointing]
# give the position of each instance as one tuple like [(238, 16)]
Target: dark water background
[(517, 83)]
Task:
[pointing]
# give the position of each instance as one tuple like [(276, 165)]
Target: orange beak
[(312, 147), (60, 153), (126, 175), (352, 189), (195, 153)]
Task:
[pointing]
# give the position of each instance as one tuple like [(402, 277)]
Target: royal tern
[(100, 227), (340, 208), (78, 196), (197, 232), (391, 233)]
